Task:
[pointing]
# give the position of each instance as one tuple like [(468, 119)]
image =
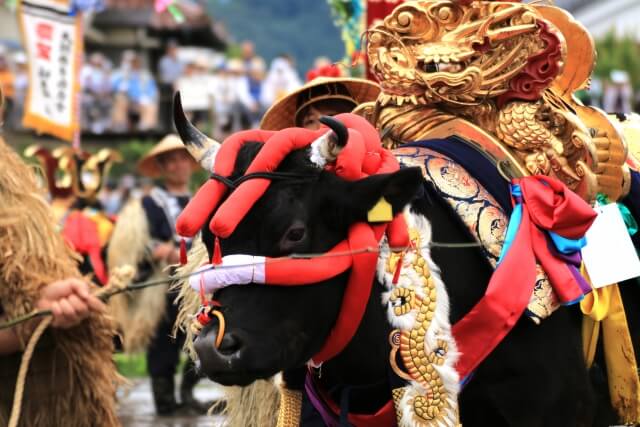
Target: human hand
[(165, 252), (174, 256), (70, 302)]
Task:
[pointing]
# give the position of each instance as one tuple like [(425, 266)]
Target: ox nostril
[(230, 344)]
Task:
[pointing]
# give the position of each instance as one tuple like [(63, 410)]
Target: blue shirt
[(138, 86)]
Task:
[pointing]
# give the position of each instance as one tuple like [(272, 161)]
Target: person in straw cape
[(71, 378), (144, 236)]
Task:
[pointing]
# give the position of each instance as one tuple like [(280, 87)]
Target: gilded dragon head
[(464, 52)]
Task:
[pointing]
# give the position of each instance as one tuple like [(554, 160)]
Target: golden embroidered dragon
[(422, 339)]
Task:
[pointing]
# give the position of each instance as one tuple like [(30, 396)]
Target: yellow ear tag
[(381, 212)]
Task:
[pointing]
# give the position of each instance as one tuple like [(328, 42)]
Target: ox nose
[(229, 345)]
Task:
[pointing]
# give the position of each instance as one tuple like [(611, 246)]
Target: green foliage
[(233, 50), (342, 9), (618, 54), (131, 365), (302, 28), (135, 365), (198, 178), (131, 152)]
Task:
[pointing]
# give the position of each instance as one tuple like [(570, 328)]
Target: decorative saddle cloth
[(479, 195)]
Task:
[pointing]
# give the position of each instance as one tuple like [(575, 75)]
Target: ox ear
[(397, 188)]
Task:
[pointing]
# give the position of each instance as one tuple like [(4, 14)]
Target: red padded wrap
[(368, 159), (356, 295), (207, 198), (276, 148), (317, 269), (398, 232)]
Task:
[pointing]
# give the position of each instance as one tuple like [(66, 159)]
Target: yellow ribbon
[(604, 307)]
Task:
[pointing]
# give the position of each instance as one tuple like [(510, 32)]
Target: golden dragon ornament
[(500, 75)]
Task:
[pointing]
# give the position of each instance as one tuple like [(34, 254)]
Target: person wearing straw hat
[(321, 96), (148, 321)]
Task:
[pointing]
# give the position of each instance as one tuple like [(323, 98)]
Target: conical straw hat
[(282, 113), (148, 165)]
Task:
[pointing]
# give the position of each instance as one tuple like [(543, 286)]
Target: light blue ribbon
[(514, 221), (567, 246)]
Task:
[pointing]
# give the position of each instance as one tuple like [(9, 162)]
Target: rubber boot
[(164, 396)]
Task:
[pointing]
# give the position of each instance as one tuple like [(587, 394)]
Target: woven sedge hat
[(148, 165), (282, 114)]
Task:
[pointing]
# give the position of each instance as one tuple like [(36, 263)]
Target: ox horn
[(338, 128), (326, 148), (200, 146)]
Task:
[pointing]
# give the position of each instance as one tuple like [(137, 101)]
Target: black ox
[(535, 377)]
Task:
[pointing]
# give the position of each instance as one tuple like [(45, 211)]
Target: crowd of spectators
[(222, 97), (134, 96), (232, 95)]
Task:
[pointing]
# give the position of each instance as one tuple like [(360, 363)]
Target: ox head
[(273, 328)]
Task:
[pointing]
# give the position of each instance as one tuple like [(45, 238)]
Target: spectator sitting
[(618, 94), (255, 79), (232, 101), (323, 67), (170, 67), (281, 80), (136, 98), (96, 94), (194, 85)]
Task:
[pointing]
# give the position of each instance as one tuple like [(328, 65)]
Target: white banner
[(53, 41)]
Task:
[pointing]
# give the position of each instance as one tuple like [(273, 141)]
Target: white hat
[(619, 77)]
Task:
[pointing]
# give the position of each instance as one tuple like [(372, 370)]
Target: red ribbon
[(548, 205)]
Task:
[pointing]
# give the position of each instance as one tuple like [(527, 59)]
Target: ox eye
[(295, 234)]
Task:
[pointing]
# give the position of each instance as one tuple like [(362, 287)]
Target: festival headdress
[(220, 159), (348, 146), (69, 172)]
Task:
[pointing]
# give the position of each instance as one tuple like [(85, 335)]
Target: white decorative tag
[(609, 255)]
